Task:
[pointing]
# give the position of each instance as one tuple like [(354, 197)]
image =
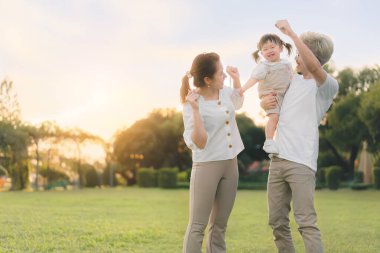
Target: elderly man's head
[(321, 45)]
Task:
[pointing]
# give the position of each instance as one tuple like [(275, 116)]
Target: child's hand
[(241, 92), (233, 72)]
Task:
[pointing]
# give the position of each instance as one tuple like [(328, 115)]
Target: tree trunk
[(342, 162), (20, 176), (353, 155), (38, 165)]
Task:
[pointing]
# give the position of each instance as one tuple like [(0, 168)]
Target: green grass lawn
[(154, 221)]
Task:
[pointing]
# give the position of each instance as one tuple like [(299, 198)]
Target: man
[(292, 171)]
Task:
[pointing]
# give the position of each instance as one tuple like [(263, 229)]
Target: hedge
[(333, 174), (167, 177), (376, 175), (147, 177)]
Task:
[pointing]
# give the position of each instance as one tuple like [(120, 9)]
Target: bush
[(320, 178), (326, 159), (54, 178), (252, 185), (376, 163), (333, 174), (258, 175), (53, 175), (167, 178), (182, 176), (109, 176), (188, 171), (360, 186), (376, 175), (183, 185), (147, 177), (358, 176)]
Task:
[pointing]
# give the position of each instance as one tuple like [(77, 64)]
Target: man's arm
[(268, 101), (310, 61)]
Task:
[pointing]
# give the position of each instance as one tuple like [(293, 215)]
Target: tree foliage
[(155, 141), (253, 138), (369, 113), (9, 106), (13, 140), (352, 118)]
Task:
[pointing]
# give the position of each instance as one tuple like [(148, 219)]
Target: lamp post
[(136, 158)]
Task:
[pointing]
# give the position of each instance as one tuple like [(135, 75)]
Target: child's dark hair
[(204, 65), (274, 39)]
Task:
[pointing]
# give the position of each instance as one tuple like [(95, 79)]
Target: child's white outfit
[(273, 76)]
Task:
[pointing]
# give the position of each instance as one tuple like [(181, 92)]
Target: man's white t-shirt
[(303, 107)]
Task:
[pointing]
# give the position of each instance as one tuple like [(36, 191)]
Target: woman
[(211, 133)]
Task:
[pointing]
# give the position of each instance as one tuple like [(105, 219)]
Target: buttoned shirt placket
[(227, 126)]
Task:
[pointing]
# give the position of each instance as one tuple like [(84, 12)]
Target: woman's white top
[(218, 117)]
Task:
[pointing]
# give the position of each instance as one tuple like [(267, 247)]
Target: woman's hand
[(192, 98), (233, 72), (268, 101)]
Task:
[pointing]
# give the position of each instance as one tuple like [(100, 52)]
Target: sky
[(100, 65)]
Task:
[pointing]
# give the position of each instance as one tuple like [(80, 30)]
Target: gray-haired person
[(292, 171)]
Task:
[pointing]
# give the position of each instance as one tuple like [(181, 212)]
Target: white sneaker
[(270, 147)]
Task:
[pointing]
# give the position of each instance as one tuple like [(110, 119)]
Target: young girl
[(273, 75)]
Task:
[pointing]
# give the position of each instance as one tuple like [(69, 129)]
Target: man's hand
[(284, 27), (269, 101)]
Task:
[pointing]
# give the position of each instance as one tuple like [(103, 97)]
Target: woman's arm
[(308, 58), (234, 73), (236, 97), (199, 134), (194, 125)]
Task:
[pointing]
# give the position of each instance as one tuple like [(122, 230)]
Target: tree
[(369, 113), (345, 129), (346, 132), (79, 137), (158, 139), (13, 141), (13, 145), (155, 141), (91, 176), (348, 82), (253, 138), (38, 134), (9, 106), (176, 152)]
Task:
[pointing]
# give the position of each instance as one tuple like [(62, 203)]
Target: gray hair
[(320, 44)]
